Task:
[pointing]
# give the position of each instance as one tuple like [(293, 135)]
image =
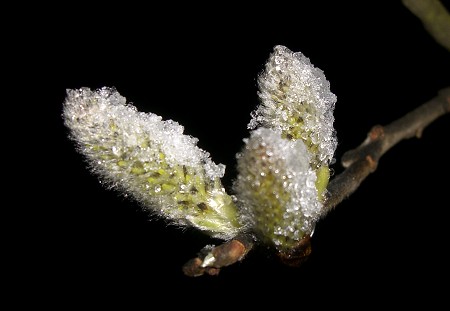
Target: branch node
[(377, 132), (361, 161), (419, 133), (228, 253), (194, 267), (298, 254), (372, 163), (212, 259)]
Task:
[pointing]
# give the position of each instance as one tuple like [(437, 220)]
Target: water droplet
[(115, 150)]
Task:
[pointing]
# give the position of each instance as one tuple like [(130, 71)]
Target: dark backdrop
[(197, 64)]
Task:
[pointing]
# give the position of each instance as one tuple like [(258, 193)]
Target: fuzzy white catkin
[(276, 188), (296, 99), (283, 168), (150, 159)]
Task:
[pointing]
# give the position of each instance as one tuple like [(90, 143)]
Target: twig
[(363, 160), (211, 259), (434, 17), (359, 163)]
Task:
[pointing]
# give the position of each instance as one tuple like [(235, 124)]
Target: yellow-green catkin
[(276, 188), (283, 192), (151, 160), (296, 99)]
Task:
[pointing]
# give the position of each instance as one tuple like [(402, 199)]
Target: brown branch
[(359, 163), (434, 17), (363, 160), (211, 259)]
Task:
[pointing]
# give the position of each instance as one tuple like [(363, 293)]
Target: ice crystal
[(277, 188), (296, 99)]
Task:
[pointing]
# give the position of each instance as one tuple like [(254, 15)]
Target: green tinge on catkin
[(150, 160), (294, 128), (181, 192), (323, 177), (277, 189), (296, 99), (272, 196)]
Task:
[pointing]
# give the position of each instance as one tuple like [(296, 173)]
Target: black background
[(386, 244)]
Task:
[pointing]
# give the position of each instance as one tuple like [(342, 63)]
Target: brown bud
[(296, 256)]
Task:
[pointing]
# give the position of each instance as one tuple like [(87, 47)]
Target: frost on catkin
[(276, 188), (296, 99), (283, 170), (151, 160)]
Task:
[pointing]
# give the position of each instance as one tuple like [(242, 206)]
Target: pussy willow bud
[(276, 187), (296, 99), (283, 169), (151, 160)]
